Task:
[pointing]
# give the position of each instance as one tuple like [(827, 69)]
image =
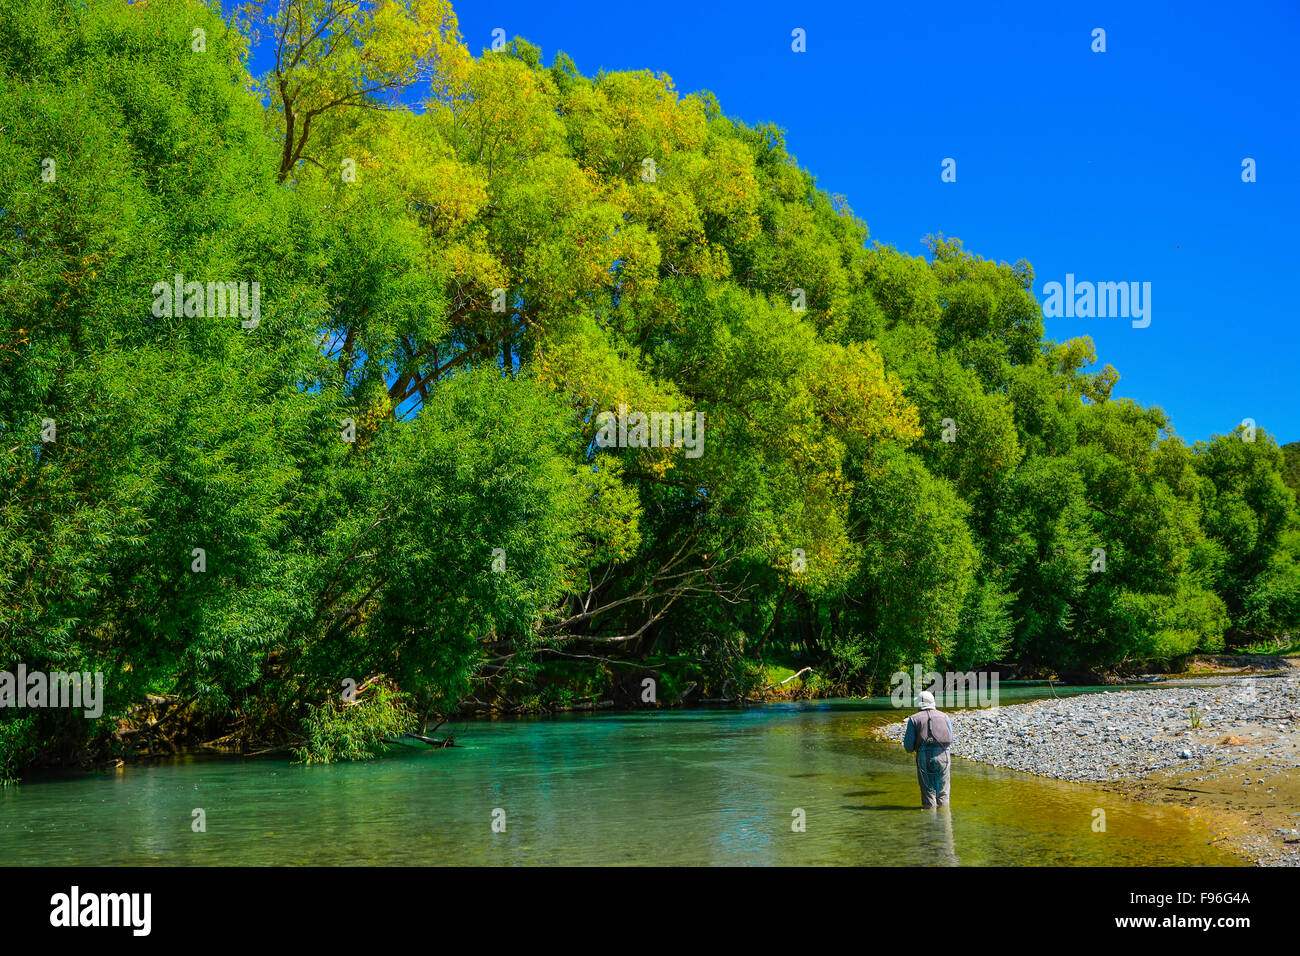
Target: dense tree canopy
[(389, 470)]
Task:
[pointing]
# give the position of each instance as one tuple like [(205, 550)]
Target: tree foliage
[(463, 261)]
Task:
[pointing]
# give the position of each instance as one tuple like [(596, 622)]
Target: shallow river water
[(687, 787)]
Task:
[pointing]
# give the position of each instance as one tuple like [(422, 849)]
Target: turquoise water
[(687, 787)]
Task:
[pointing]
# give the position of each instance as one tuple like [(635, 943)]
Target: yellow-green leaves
[(332, 55)]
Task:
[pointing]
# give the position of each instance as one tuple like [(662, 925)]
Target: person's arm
[(951, 735), (909, 738)]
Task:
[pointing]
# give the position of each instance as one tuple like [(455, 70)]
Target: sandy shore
[(1237, 767)]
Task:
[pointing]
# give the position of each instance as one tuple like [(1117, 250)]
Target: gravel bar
[(1128, 734)]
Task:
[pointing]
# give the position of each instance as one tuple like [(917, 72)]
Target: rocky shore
[(1229, 750)]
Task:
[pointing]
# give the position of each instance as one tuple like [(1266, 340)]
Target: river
[(681, 787)]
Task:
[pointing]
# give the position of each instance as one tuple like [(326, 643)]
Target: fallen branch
[(788, 679), (432, 741)]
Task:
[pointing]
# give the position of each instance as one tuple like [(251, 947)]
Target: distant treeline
[(368, 490)]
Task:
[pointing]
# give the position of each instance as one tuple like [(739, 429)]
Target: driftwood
[(175, 705), (788, 679), (738, 698), (448, 741)]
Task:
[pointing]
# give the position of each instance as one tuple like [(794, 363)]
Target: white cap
[(925, 700)]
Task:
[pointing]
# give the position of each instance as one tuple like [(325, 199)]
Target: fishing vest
[(931, 727)]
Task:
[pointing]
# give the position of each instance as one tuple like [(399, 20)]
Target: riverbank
[(1227, 752)]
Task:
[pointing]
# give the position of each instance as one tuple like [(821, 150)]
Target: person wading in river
[(929, 735)]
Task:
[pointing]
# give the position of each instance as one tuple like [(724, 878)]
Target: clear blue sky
[(1115, 166)]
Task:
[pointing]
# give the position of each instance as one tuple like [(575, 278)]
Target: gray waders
[(932, 773), (932, 761)]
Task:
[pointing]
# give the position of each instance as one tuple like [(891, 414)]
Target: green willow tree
[(391, 481)]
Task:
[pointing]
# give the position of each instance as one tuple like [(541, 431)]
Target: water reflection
[(675, 788)]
